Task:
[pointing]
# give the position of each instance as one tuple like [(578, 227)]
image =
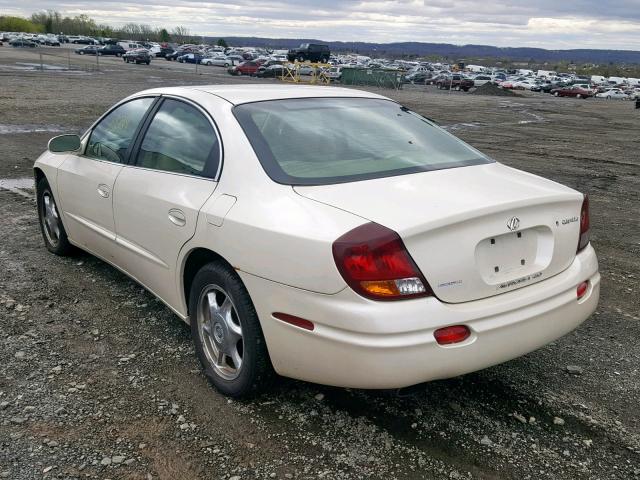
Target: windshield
[(319, 141)]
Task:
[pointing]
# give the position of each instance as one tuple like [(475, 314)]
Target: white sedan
[(613, 93), (325, 234), (218, 61)]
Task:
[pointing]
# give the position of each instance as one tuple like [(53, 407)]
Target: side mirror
[(64, 143)]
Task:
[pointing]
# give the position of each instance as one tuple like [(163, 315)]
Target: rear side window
[(111, 138), (180, 139)]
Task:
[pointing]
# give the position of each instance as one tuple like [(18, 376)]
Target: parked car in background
[(289, 259), (190, 58), (306, 70), (138, 55), (418, 77), (23, 42), (572, 91), (87, 50), (455, 82), (112, 50), (82, 40), (177, 53), (130, 45), (164, 51), (272, 71), (334, 73), (480, 80), (48, 40), (218, 61), (613, 93), (525, 85), (312, 52), (245, 68)]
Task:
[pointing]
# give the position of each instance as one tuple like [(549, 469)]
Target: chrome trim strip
[(92, 226), (138, 250)]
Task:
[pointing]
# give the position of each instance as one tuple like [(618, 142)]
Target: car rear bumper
[(366, 344)]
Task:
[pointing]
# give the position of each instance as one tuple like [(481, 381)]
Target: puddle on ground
[(6, 129), (18, 185), (38, 66), (462, 126), (35, 67), (11, 183)]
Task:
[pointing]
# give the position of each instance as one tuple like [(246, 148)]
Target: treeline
[(54, 22)]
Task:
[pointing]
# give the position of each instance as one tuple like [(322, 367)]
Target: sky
[(551, 24)]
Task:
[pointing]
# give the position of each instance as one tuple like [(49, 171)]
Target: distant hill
[(452, 52)]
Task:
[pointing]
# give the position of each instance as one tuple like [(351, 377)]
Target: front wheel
[(226, 332), (578, 96), (53, 232)]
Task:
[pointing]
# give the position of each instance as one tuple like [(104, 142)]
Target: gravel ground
[(99, 380)]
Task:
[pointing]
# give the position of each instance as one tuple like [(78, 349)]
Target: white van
[(129, 45)]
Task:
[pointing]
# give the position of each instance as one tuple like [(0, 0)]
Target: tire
[(578, 96), (556, 94), (51, 227), (238, 332), (300, 58), (81, 52), (226, 65), (148, 62), (118, 55)]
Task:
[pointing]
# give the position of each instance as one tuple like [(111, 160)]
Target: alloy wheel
[(50, 219), (220, 331)]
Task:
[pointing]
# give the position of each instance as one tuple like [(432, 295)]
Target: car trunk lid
[(473, 231)]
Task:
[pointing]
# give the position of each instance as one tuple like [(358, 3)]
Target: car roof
[(238, 94)]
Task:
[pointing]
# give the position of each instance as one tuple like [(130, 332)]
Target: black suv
[(111, 49), (138, 55), (310, 51)]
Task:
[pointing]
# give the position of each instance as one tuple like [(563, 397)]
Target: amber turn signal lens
[(381, 288)]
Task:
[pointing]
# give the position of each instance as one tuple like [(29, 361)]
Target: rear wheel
[(578, 96), (226, 332), (53, 232)]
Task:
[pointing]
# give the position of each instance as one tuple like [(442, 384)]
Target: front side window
[(319, 141), (111, 138), (180, 139)]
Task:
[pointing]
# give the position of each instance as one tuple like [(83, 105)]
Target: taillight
[(584, 224), (375, 263)]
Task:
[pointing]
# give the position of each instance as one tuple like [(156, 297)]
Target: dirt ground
[(99, 380)]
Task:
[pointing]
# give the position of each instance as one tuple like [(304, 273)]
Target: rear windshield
[(320, 141)]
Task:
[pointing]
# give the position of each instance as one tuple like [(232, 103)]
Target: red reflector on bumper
[(293, 320), (452, 334), (582, 289)]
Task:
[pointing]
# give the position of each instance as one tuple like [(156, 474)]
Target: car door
[(86, 180), (157, 198)]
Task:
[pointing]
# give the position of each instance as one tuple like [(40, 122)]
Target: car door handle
[(103, 190), (177, 217)]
